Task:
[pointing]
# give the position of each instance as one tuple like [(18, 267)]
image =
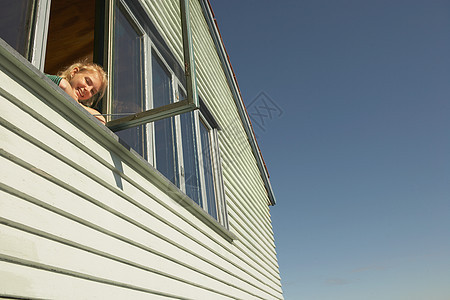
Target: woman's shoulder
[(54, 78)]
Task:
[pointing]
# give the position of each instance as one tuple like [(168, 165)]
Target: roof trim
[(232, 82)]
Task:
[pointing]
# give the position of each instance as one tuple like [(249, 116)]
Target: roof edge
[(232, 82)]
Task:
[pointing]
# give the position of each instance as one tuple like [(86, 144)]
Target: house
[(170, 200)]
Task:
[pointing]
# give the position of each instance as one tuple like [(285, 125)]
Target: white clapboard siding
[(82, 217), (204, 41), (206, 70), (22, 142), (18, 146), (214, 90), (248, 208), (92, 209), (251, 203), (137, 268), (29, 281)]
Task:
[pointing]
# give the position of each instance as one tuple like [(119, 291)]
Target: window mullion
[(179, 153), (151, 125), (178, 147), (220, 193), (210, 162), (204, 202), (188, 54), (148, 96), (40, 32), (110, 50), (179, 143)]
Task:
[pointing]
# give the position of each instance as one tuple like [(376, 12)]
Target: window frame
[(153, 114), (154, 54), (200, 112), (221, 207), (37, 43), (203, 117), (200, 115), (39, 33), (108, 101), (38, 20)]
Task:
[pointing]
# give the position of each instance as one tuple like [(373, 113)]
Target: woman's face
[(85, 84)]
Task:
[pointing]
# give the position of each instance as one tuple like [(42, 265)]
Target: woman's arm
[(95, 113)]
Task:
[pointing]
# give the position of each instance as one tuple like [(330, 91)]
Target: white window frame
[(218, 189), (37, 58), (189, 104), (37, 51), (39, 40), (150, 50)]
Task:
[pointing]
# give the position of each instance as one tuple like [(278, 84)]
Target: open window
[(70, 34), (88, 29), (146, 80), (151, 102), (128, 21)]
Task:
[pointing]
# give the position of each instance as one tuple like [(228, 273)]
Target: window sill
[(14, 64)]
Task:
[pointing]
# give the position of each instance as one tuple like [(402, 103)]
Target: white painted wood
[(264, 271), (83, 183), (35, 160), (20, 281), (108, 223), (241, 173), (72, 260), (83, 218)]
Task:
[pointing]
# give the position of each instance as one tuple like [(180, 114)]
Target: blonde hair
[(84, 66)]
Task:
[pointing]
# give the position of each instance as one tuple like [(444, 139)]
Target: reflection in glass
[(127, 78), (15, 24), (165, 143), (190, 157), (208, 170), (162, 83)]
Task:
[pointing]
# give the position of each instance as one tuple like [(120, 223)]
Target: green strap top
[(55, 79)]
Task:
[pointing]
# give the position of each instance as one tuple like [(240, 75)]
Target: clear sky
[(357, 143)]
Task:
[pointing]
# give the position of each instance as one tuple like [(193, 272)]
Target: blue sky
[(359, 155)]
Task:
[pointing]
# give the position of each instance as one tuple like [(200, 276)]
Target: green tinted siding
[(82, 217)]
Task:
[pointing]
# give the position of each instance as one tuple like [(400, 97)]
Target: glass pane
[(127, 78), (165, 142), (162, 83), (165, 149), (190, 157), (15, 20), (208, 170)]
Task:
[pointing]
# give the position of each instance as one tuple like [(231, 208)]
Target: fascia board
[(207, 12)]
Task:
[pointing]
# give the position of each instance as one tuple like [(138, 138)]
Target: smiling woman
[(71, 38), (85, 85), (87, 80), (84, 82)]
